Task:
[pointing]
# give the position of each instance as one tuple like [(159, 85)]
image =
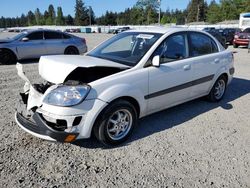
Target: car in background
[(208, 29), (215, 33), (242, 38), (228, 33), (35, 43), (121, 29), (131, 75)]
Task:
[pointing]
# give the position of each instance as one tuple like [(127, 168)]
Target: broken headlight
[(67, 95)]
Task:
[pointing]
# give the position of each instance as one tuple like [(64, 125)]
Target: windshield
[(19, 36), (126, 48)]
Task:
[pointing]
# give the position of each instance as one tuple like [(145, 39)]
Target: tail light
[(83, 40)]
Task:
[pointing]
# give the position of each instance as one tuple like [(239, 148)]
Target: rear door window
[(201, 44), (35, 36), (52, 35)]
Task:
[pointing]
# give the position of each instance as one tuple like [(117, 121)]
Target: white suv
[(133, 74)]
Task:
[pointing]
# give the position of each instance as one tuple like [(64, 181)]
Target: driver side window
[(173, 48)]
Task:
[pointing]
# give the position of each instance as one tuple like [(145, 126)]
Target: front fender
[(124, 90)]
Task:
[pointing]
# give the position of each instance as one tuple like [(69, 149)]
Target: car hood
[(55, 69), (245, 35), (2, 41)]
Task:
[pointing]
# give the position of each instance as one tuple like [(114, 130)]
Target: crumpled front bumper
[(35, 124), (40, 129)]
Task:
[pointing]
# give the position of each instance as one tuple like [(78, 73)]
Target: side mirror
[(25, 39), (156, 61)]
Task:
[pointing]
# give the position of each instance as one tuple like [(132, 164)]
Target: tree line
[(144, 12)]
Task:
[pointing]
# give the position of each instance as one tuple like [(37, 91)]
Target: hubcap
[(219, 89), (119, 124)]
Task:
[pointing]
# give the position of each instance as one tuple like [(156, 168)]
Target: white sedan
[(131, 75)]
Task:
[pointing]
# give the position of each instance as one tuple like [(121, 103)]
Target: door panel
[(54, 43), (169, 84), (33, 48), (206, 61)]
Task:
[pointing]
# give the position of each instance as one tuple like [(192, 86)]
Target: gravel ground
[(197, 144)]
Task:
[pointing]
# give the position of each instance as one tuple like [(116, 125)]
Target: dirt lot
[(197, 144)]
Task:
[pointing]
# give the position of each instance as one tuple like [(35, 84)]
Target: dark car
[(119, 30), (219, 37), (229, 33), (242, 38)]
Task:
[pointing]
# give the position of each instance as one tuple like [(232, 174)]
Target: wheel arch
[(71, 46), (10, 50)]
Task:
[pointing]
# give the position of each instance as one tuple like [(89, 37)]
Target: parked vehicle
[(119, 30), (242, 38), (219, 37), (229, 33), (35, 43), (133, 74)]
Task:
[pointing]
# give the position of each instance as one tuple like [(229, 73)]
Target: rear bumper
[(40, 129), (241, 42)]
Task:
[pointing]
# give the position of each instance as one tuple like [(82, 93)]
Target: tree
[(59, 18), (81, 13), (23, 20), (91, 16), (31, 18), (69, 20), (213, 13), (38, 17), (51, 15), (148, 8), (196, 11)]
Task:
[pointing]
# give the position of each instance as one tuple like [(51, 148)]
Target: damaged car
[(131, 75)]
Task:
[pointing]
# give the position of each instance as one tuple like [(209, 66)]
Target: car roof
[(33, 30), (162, 30)]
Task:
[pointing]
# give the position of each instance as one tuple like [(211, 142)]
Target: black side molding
[(180, 87)]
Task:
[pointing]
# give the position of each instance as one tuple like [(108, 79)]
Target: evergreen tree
[(51, 15), (213, 13), (149, 8), (23, 20), (31, 18), (38, 17), (59, 18), (69, 20), (81, 13), (196, 11)]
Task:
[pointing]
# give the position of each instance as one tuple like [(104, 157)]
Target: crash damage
[(32, 111)]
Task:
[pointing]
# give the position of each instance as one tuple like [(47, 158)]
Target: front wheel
[(235, 46), (218, 90), (115, 123)]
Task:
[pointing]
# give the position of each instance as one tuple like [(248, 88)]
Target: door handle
[(187, 67), (216, 61)]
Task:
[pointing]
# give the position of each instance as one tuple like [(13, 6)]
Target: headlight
[(236, 36), (67, 95)]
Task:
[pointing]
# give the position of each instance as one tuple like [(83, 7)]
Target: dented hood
[(56, 68)]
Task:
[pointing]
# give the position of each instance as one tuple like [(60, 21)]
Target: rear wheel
[(115, 123), (71, 51), (218, 90), (235, 46), (7, 57)]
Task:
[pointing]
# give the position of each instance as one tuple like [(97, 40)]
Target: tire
[(71, 51), (7, 57), (218, 90), (115, 123), (235, 46)]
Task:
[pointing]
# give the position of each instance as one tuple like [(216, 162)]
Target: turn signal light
[(70, 138)]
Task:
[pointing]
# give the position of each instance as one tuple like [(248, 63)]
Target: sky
[(13, 8)]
